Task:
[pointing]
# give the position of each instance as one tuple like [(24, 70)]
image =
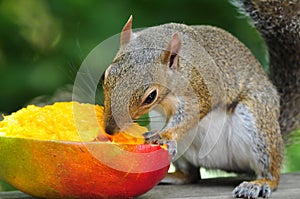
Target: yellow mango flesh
[(67, 121)]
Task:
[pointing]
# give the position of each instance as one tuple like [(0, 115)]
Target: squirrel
[(213, 92)]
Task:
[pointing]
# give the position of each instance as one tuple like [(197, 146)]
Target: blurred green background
[(43, 42)]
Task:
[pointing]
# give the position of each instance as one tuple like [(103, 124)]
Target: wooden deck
[(218, 188), (221, 188)]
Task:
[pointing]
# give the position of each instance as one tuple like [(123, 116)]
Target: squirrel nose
[(109, 130), (111, 127)]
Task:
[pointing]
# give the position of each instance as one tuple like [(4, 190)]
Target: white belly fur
[(222, 141)]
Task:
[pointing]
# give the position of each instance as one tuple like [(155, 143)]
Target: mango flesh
[(78, 168), (69, 121)]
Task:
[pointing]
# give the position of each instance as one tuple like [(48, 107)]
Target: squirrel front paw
[(154, 137)]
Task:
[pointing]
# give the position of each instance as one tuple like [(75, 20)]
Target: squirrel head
[(140, 76)]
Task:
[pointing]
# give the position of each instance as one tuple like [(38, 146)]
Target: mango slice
[(59, 169), (62, 151), (68, 121)]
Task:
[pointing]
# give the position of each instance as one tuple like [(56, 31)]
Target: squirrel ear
[(170, 54), (126, 33)]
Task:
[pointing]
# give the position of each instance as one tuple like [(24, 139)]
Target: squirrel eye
[(150, 98)]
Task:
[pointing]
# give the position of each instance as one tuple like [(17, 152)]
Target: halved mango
[(80, 167)]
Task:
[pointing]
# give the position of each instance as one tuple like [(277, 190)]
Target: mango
[(61, 151)]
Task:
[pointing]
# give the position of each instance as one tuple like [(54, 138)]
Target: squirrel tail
[(278, 22)]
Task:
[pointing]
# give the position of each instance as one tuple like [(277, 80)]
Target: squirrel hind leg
[(185, 173), (254, 189)]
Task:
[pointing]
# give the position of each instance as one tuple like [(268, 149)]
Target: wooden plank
[(14, 195), (221, 188), (217, 188)]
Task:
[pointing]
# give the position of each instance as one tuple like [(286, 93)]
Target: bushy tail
[(278, 21)]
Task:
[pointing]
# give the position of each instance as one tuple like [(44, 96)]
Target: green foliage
[(292, 157), (144, 120), (43, 42)]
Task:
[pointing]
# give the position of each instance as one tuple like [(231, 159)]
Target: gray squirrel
[(210, 86)]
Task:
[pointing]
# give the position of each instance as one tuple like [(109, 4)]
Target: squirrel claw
[(251, 190), (153, 137), (172, 147)]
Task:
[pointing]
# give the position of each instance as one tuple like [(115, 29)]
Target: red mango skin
[(58, 169)]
